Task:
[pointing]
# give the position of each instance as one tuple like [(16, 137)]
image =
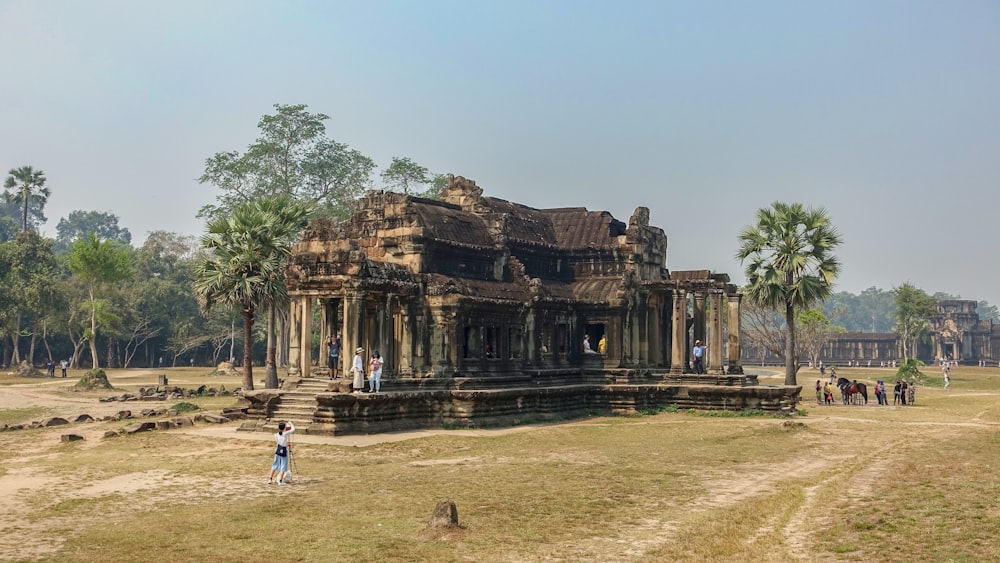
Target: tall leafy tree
[(914, 311), (34, 271), (790, 264), (104, 225), (987, 311), (27, 186), (407, 176), (10, 219), (292, 157), (243, 265), (100, 264), (815, 332)]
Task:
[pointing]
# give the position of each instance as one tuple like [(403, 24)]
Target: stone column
[(324, 330), (352, 332), (643, 331), (699, 316), (294, 338), (654, 336), (678, 332), (405, 340), (382, 309), (305, 340), (735, 364), (715, 334)]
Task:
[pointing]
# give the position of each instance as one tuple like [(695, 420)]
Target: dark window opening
[(514, 342), (490, 346)]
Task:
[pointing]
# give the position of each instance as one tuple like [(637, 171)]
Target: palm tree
[(791, 264), (27, 184), (243, 267)]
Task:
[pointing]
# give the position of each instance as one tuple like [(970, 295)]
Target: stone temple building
[(478, 294), (955, 333)]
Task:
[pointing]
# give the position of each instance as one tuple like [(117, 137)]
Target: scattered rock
[(183, 421), (140, 427), (110, 434), (66, 438), (122, 415), (213, 418), (54, 421), (445, 515), (165, 424), (84, 418)]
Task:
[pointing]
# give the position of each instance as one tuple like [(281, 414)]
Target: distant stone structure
[(478, 293), (956, 333)]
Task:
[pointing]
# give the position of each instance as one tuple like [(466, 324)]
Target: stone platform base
[(396, 410)]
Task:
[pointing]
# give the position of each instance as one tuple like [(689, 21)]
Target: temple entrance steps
[(299, 404)]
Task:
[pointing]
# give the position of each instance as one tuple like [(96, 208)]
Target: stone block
[(140, 427), (67, 438), (445, 515), (54, 421)]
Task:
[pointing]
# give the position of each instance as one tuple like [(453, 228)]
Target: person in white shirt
[(279, 467), (358, 370)]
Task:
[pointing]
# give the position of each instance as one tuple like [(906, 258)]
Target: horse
[(850, 391)]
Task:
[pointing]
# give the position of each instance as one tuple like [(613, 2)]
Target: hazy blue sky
[(887, 113)]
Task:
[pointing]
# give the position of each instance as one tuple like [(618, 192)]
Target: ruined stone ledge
[(340, 413)]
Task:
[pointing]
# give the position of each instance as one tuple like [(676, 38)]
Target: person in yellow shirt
[(602, 345)]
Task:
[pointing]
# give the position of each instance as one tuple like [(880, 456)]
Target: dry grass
[(851, 484)]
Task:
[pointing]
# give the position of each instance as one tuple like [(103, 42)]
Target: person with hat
[(699, 356), (358, 370)]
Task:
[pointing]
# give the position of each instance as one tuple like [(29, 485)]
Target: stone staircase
[(299, 404)]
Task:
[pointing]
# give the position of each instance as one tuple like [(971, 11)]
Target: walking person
[(63, 365), (947, 378), (358, 371), (903, 392), (375, 372), (279, 467), (698, 352), (819, 393)]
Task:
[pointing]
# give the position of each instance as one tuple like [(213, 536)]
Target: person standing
[(333, 349), (895, 394), (819, 393), (358, 370), (699, 356), (602, 345), (947, 378), (375, 372), (63, 365), (279, 467)]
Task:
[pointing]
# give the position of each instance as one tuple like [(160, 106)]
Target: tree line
[(90, 296), (89, 293)]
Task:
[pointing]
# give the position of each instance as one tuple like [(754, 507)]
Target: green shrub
[(184, 406)]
